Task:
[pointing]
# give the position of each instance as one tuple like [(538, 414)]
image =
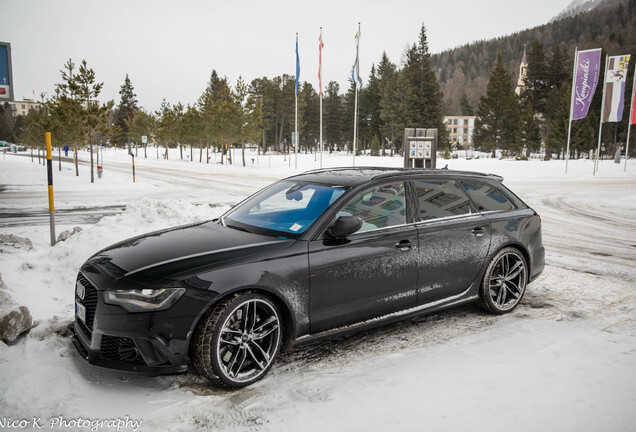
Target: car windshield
[(285, 209)]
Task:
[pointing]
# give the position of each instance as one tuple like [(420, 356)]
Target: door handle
[(404, 245), (478, 232)]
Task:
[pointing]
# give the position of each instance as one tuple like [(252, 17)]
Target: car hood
[(166, 253)]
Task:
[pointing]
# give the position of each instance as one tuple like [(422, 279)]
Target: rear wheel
[(236, 343), (504, 282)]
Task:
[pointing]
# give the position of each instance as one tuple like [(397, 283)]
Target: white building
[(460, 129)]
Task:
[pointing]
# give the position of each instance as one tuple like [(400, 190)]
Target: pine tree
[(497, 113), (375, 146), (166, 125), (332, 114), (141, 124), (529, 131), (247, 115), (419, 96), (94, 117), (36, 124), (558, 71), (536, 90), (388, 75), (75, 114), (558, 117), (125, 111), (218, 111), (310, 103), (6, 123), (370, 96), (263, 89), (348, 105), (65, 110)]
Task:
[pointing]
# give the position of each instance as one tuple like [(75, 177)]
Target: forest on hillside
[(465, 70)]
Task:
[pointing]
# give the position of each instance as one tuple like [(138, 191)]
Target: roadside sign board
[(6, 78)]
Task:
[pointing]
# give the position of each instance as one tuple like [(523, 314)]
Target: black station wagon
[(318, 254)]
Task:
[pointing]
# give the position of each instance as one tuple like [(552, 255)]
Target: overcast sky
[(169, 48)]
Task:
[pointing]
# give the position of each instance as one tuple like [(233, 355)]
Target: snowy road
[(564, 360), (580, 234)]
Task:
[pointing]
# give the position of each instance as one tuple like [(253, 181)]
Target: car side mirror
[(344, 226)]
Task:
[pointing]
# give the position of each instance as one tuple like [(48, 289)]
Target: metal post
[(49, 170), (629, 120), (133, 165), (567, 151), (75, 161), (295, 140), (320, 91), (600, 126), (355, 123)]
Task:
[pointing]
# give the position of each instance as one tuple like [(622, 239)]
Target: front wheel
[(504, 282), (235, 344)]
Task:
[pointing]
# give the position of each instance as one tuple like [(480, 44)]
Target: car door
[(372, 272), (454, 240)]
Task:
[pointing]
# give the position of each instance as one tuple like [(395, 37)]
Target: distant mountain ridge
[(463, 71), (580, 6)]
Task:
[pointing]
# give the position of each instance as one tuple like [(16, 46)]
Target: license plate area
[(80, 312)]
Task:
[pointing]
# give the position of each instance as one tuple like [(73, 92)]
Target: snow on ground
[(564, 360)]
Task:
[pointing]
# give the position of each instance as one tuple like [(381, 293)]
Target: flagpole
[(295, 143), (355, 105), (629, 120), (600, 126), (576, 62), (320, 90), (355, 123)]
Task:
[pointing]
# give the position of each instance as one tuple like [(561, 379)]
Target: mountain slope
[(466, 69)]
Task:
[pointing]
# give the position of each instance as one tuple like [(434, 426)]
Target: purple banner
[(588, 70)]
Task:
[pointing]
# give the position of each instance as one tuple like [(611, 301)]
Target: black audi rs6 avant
[(322, 253)]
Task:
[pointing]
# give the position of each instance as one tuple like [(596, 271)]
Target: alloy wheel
[(507, 281), (248, 341)]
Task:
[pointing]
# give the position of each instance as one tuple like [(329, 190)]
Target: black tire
[(237, 341), (504, 282)]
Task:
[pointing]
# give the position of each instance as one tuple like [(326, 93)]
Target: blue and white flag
[(297, 65), (355, 72)]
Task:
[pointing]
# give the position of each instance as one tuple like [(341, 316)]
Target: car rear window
[(439, 199), (487, 197)]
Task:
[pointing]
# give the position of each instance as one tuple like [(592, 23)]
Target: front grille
[(90, 300), (120, 349)]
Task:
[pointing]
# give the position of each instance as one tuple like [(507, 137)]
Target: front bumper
[(121, 353), (152, 343)]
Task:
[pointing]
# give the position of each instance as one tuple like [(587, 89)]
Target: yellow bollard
[(133, 164), (49, 170)]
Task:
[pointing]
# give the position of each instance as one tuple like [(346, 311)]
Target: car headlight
[(144, 300)]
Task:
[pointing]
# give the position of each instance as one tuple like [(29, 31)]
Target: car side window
[(379, 207), (487, 197), (440, 198)]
